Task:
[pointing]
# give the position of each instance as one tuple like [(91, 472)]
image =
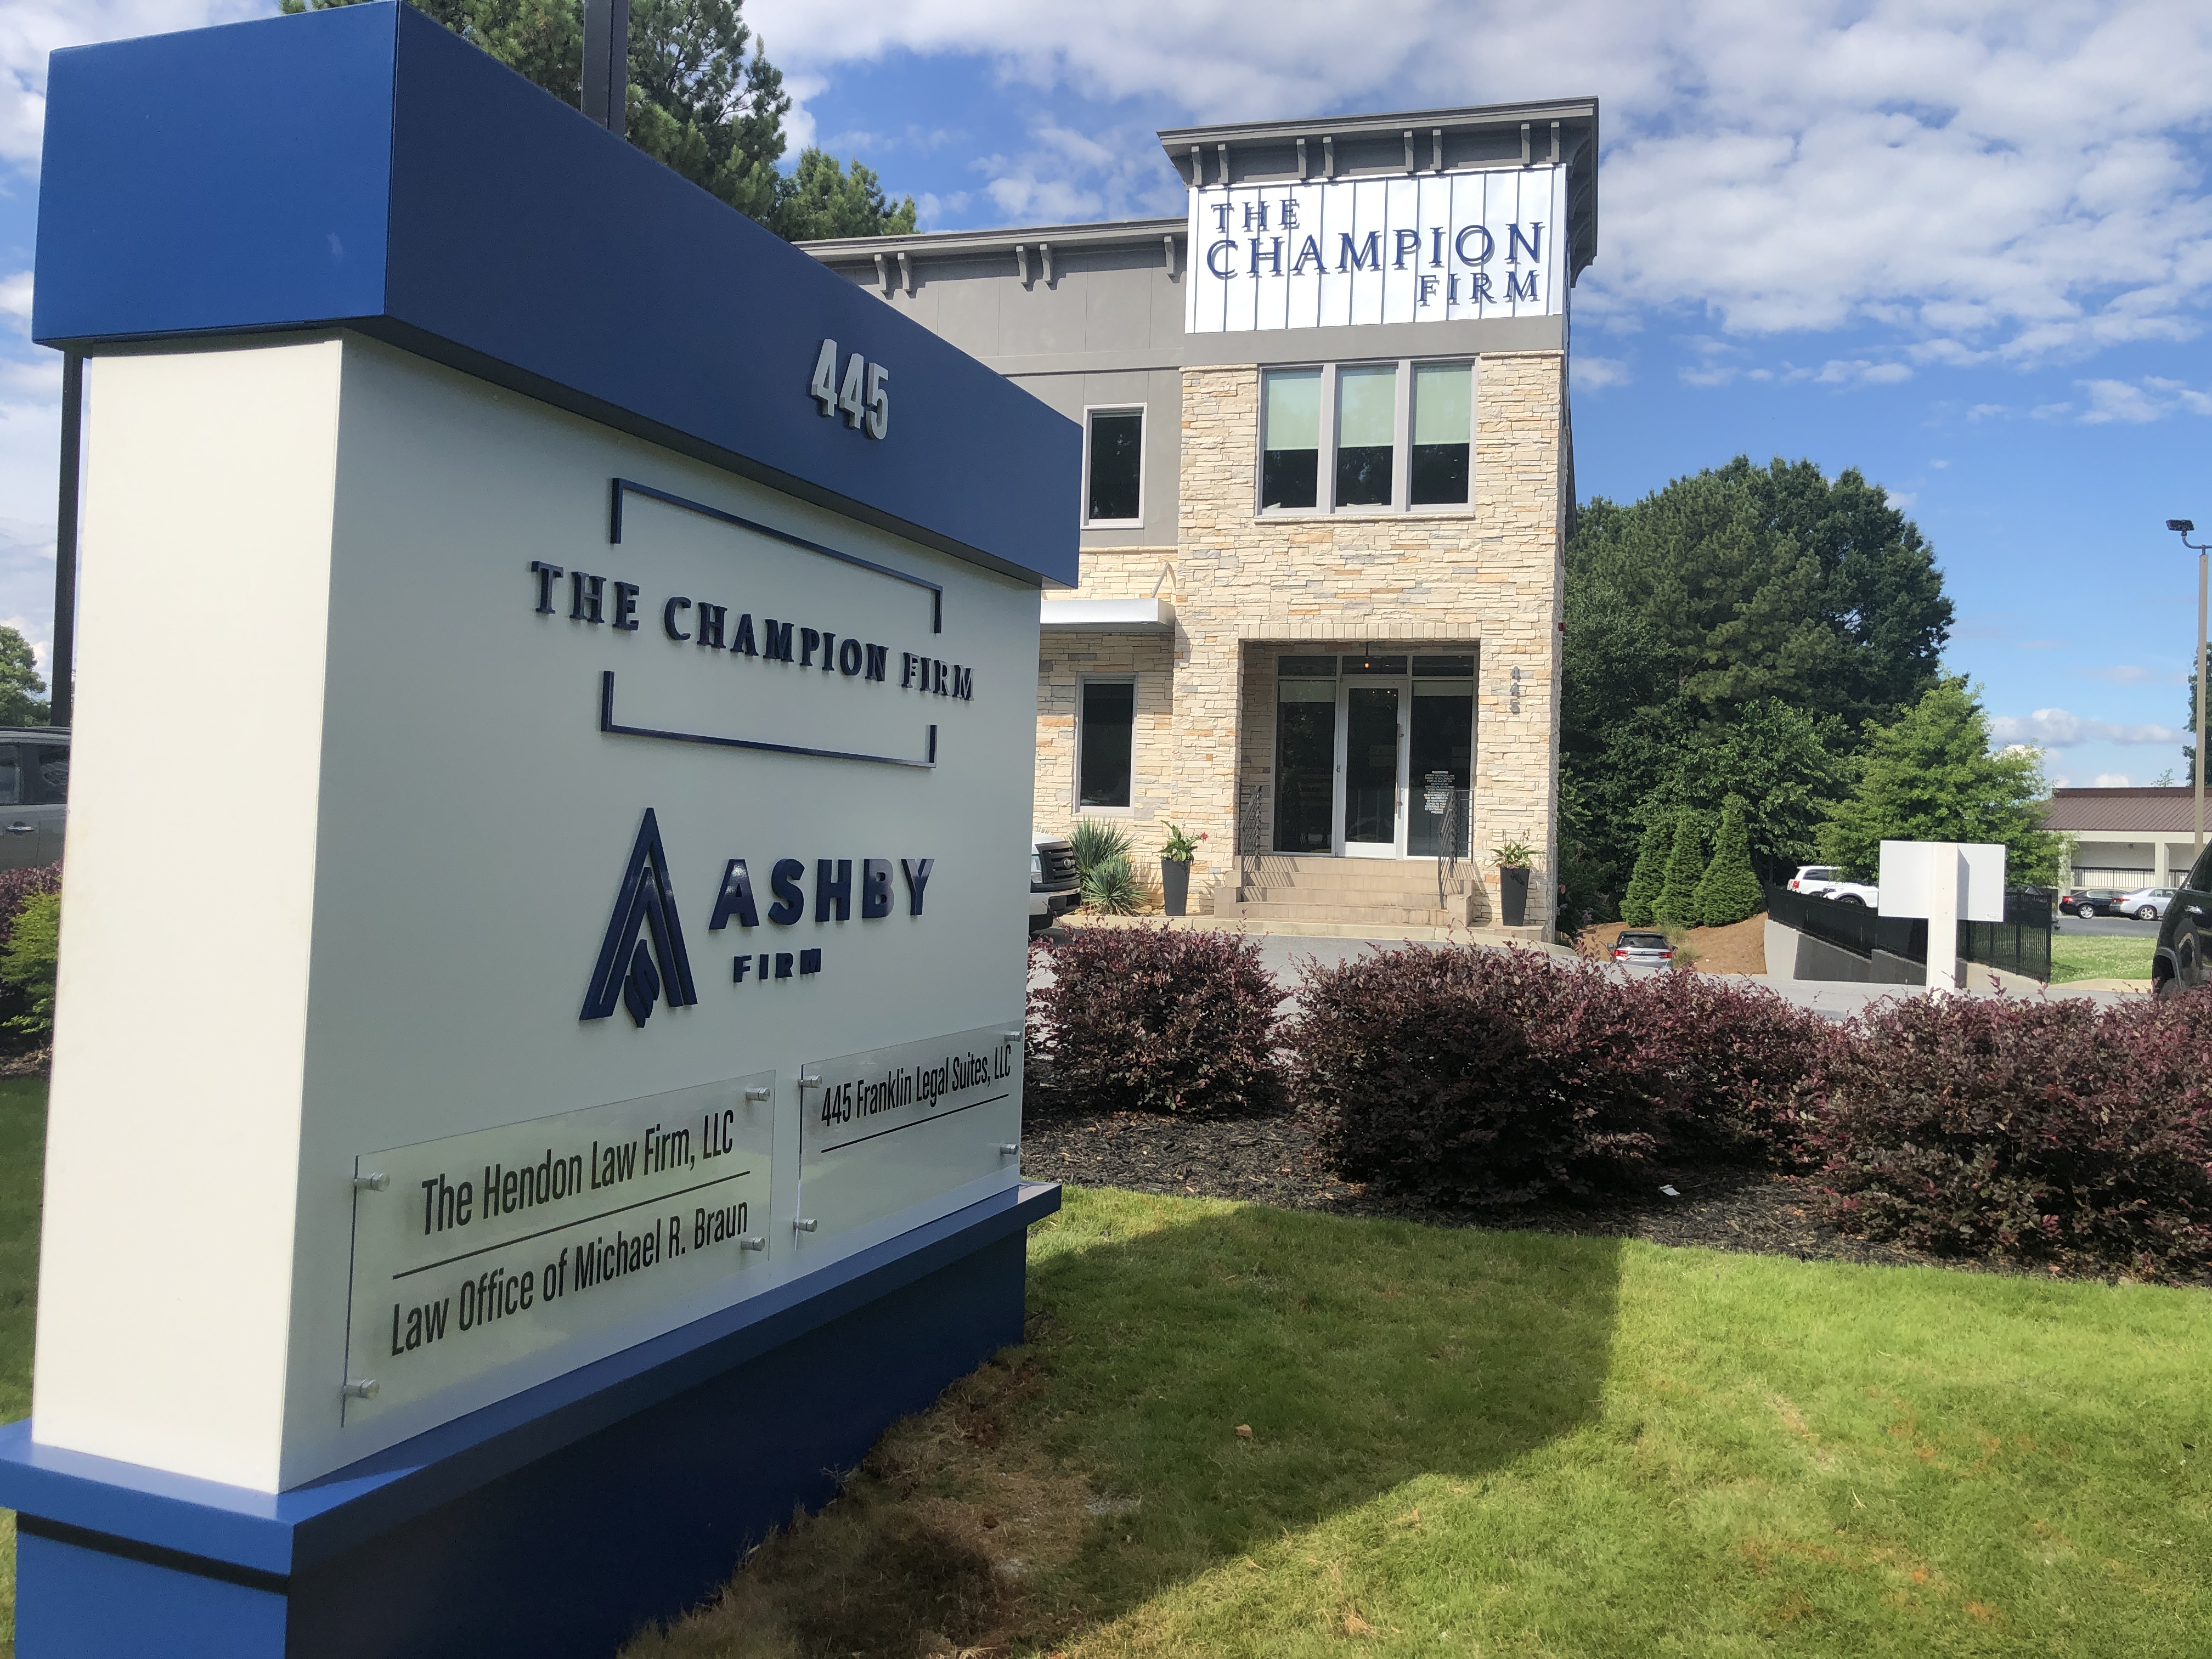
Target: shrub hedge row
[(2023, 1129)]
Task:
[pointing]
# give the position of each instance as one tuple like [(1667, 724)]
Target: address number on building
[(864, 395)]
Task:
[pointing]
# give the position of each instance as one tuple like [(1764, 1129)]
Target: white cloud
[(1858, 371), (2111, 781), (2150, 398), (1593, 373), (1902, 500), (2055, 728), (1986, 179)]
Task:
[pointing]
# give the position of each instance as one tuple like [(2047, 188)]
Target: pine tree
[(1730, 890), (1645, 880), (1686, 862)]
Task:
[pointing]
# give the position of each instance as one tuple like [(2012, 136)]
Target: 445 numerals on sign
[(864, 396)]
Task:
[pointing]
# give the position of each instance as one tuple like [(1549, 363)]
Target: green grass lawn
[(1517, 1443), (2098, 955), (22, 1155)]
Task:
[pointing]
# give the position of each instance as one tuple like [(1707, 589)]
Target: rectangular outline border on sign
[(619, 488)]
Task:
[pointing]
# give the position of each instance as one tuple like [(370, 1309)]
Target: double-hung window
[(1114, 467), (1367, 437)]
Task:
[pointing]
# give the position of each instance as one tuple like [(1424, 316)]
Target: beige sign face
[(473, 1252), (887, 1128)]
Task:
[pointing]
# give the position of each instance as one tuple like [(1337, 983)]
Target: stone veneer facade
[(1246, 588)]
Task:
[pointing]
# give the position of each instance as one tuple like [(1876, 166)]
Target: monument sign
[(545, 963)]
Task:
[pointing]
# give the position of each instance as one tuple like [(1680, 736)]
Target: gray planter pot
[(1175, 885), (1513, 895)]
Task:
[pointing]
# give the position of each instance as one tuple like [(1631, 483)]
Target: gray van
[(34, 794)]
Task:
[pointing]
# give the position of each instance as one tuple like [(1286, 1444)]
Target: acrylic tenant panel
[(1264, 266), (1240, 310), (1302, 283), (1335, 221), (1370, 216), (1401, 247)]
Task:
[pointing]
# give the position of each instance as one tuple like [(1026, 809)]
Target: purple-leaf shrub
[(2042, 1131), (1153, 1019), (1500, 1077)]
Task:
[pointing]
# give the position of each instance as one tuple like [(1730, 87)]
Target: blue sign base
[(554, 1523)]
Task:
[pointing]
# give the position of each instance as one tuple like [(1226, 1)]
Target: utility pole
[(607, 63), (2181, 527)]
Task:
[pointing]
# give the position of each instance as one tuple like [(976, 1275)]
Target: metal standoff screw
[(363, 1389), (1012, 1037), (751, 1242), (810, 1080), (376, 1181), (1009, 1148), (758, 1092), (806, 1224)]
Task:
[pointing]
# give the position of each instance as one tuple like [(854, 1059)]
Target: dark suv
[(34, 794), (2185, 934)]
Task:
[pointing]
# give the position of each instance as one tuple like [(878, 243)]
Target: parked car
[(34, 794), (1637, 949), (1829, 881), (2146, 903), (2185, 933), (1054, 884), (2090, 902)]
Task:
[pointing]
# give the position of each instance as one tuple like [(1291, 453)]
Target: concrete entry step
[(1353, 915)]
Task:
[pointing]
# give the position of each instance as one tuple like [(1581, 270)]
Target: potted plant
[(1174, 869), (1513, 881)]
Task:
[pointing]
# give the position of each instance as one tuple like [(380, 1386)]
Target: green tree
[(1930, 776), (1685, 862), (2189, 725), (1730, 890), (20, 684), (1735, 588), (698, 103), (1650, 873)]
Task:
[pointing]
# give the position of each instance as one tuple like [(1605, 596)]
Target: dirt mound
[(1739, 948)]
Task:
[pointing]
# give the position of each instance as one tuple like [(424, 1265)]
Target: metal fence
[(2020, 944)]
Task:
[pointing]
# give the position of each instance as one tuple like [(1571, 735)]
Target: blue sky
[(1965, 248)]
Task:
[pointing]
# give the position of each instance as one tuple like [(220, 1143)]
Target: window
[(1290, 416), (1107, 721), (48, 768), (1364, 437), (1113, 493), (1305, 754), (1443, 417)]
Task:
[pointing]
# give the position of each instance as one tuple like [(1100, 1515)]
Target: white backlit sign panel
[(1433, 247)]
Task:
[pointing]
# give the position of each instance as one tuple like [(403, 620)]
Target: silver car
[(2145, 904), (34, 794), (1636, 948)]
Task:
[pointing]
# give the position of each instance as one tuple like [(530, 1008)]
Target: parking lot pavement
[(2120, 926)]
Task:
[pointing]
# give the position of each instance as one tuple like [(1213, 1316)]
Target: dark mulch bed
[(1272, 1160)]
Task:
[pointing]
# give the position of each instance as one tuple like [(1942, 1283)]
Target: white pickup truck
[(1830, 881), (1054, 887)]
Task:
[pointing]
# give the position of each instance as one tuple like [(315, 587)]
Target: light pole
[(2181, 527)]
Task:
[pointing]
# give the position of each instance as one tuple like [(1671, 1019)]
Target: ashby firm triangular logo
[(637, 969)]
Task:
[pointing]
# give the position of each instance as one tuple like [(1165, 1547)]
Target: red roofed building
[(2127, 838)]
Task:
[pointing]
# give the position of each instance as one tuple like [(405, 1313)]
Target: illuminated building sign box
[(592, 1024), (1435, 247)]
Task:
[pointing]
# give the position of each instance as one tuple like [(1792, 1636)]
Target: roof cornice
[(1114, 233)]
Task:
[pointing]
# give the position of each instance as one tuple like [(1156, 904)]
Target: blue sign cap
[(364, 168)]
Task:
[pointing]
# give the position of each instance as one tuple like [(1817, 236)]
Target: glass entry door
[(1374, 726)]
